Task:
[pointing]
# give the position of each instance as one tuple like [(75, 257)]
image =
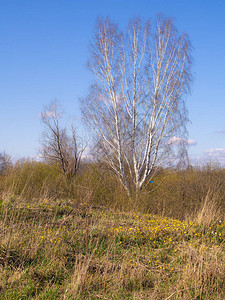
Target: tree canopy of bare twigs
[(5, 162), (136, 105), (58, 147)]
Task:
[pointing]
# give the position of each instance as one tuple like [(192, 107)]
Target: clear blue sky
[(43, 54)]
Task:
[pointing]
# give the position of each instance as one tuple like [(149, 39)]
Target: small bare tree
[(58, 147), (5, 162), (136, 105)]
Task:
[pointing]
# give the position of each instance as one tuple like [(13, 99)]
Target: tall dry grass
[(210, 211), (84, 239)]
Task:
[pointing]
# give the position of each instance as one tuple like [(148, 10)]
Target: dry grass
[(65, 250), (82, 239), (209, 211)]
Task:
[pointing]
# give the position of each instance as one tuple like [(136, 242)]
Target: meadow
[(84, 239)]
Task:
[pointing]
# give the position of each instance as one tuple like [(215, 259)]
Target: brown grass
[(67, 240)]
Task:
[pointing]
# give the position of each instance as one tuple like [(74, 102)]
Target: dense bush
[(179, 193), (174, 193)]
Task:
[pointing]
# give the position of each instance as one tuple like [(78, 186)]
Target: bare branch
[(137, 102), (58, 147)]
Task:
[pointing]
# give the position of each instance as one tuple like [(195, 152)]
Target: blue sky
[(43, 55)]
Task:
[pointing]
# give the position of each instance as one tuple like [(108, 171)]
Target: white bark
[(137, 102)]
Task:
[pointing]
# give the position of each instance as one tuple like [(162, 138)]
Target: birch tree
[(136, 105)]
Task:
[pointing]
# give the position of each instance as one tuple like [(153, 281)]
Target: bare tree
[(57, 146), (137, 102), (5, 162)]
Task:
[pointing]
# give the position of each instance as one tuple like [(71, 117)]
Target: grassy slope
[(59, 250)]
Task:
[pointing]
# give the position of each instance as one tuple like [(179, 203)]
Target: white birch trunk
[(137, 102)]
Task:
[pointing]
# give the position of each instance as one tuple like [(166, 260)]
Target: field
[(62, 248)]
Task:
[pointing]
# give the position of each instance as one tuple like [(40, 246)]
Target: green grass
[(63, 250)]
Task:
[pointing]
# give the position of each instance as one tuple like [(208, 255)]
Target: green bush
[(174, 193)]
